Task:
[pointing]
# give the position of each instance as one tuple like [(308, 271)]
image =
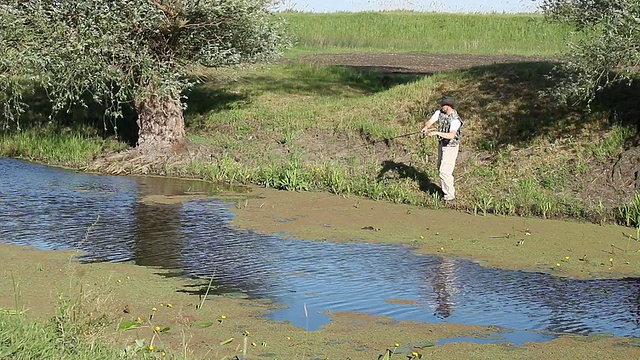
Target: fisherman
[(448, 132)]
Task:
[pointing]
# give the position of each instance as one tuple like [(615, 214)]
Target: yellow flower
[(154, 309), (138, 320), (245, 333), (558, 264), (157, 328), (169, 306), (119, 280), (421, 237), (566, 258), (151, 347), (223, 316), (611, 260), (396, 345), (254, 344), (128, 277)]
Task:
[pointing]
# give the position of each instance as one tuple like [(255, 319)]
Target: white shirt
[(455, 124)]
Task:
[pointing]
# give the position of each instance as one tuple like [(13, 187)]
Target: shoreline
[(528, 244)]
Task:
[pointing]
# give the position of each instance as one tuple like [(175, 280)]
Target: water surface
[(109, 218)]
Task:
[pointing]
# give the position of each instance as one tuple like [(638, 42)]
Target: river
[(111, 218)]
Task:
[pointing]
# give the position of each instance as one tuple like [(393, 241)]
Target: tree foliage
[(126, 51), (605, 48)]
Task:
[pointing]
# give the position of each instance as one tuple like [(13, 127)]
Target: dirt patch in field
[(414, 63)]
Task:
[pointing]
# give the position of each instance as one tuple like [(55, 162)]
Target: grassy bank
[(299, 126), (398, 31), (52, 145), (305, 127)]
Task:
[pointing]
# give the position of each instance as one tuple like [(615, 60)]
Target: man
[(448, 132)]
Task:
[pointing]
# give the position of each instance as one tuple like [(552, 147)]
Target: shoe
[(450, 201)]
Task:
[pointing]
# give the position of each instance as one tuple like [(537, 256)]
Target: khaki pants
[(447, 156)]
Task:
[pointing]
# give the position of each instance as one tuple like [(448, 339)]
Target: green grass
[(401, 31), (302, 127), (44, 144), (25, 339)]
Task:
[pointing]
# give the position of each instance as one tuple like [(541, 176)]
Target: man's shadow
[(405, 171)]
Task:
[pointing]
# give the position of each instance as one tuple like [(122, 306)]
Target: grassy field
[(304, 127), (518, 34)]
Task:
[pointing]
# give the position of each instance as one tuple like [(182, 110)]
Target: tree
[(134, 52), (605, 47)]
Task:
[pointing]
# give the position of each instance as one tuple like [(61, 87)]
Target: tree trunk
[(160, 124)]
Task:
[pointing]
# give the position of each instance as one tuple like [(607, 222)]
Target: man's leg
[(447, 164)]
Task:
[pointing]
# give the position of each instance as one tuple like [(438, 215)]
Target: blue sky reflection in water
[(445, 6), (53, 208)]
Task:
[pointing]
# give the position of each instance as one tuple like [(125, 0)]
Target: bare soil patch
[(414, 63)]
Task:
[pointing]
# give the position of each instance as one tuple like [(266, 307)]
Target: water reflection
[(114, 219), (445, 287), (157, 236)]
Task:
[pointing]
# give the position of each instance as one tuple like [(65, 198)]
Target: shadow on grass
[(405, 171), (508, 99), (293, 79), (209, 97), (85, 120), (316, 80), (206, 97), (620, 102)]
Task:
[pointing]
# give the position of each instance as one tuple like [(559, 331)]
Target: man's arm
[(449, 135), (453, 132), (430, 122)]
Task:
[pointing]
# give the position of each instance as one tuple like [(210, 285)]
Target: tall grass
[(401, 31), (25, 339)]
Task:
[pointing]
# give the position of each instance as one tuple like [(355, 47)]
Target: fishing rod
[(386, 140)]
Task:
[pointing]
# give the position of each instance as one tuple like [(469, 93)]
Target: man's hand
[(425, 130), (433, 133)]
